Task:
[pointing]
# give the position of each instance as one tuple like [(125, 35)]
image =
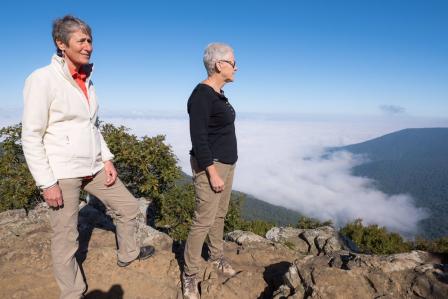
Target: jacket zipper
[(80, 92)]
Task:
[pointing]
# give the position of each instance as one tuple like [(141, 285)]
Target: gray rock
[(292, 278), (279, 234), (246, 238), (288, 236), (95, 214), (282, 292), (405, 275), (332, 244), (317, 239)]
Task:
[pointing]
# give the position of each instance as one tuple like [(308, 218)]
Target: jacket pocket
[(80, 143), (97, 150)]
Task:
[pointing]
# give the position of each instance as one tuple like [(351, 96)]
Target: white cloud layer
[(281, 162)]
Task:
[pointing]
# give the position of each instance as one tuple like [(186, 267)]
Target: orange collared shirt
[(80, 79)]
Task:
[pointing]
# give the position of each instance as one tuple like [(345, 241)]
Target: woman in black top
[(213, 158)]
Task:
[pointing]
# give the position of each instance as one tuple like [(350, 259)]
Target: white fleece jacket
[(60, 134)]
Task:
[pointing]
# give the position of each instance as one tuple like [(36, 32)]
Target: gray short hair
[(65, 26), (213, 53)]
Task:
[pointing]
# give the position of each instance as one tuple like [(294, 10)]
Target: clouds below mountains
[(281, 162)]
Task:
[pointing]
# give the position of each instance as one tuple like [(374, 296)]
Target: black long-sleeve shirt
[(212, 128)]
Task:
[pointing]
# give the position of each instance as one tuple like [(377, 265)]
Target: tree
[(233, 218), (147, 166), (17, 187), (312, 223)]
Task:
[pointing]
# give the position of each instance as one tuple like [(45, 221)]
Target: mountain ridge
[(412, 161)]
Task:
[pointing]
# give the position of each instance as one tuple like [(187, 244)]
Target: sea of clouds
[(281, 161)]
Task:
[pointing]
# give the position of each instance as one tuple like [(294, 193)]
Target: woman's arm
[(34, 124), (199, 108)]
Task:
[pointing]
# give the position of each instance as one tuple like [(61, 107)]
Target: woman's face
[(79, 48), (228, 68)]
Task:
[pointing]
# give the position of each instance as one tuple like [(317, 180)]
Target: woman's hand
[(53, 196), (215, 180), (111, 173)]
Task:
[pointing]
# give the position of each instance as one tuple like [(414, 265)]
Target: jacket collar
[(62, 66)]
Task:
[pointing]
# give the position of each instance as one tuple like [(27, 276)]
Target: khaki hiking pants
[(64, 222), (209, 214)]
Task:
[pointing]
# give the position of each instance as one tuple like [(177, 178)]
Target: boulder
[(322, 240), (95, 214), (288, 236), (246, 238)]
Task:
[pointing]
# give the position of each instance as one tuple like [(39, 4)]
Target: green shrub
[(373, 239), (439, 245), (312, 223), (176, 209), (17, 187), (258, 227), (234, 220), (147, 165)]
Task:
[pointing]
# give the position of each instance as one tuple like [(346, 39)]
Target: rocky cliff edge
[(288, 263)]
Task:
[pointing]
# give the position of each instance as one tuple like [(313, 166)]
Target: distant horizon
[(14, 113)]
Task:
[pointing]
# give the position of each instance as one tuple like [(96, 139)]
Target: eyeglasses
[(233, 64)]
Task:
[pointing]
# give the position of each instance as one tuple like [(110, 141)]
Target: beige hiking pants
[(64, 222), (210, 212)]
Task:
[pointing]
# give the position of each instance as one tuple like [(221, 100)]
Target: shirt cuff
[(48, 185)]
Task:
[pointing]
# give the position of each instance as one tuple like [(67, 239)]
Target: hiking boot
[(190, 286), (145, 252), (224, 266)]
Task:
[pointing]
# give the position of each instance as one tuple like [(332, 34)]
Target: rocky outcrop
[(288, 263), (246, 238), (322, 240), (96, 215), (26, 272), (346, 275)]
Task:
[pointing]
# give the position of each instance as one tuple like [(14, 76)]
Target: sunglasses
[(233, 64)]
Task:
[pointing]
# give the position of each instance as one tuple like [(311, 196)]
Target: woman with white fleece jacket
[(66, 152)]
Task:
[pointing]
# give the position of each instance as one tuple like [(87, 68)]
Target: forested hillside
[(412, 161)]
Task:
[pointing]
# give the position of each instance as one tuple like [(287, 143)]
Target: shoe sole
[(125, 264)]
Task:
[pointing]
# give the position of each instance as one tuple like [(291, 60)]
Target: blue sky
[(296, 57)]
